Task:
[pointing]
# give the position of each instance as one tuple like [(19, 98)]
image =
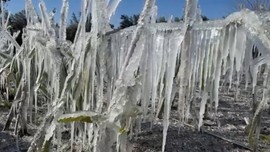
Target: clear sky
[(213, 9)]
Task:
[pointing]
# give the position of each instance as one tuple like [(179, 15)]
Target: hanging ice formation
[(115, 80)]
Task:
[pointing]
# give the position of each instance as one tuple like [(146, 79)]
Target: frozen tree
[(127, 21), (17, 23)]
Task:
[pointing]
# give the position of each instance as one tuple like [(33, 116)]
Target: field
[(227, 134)]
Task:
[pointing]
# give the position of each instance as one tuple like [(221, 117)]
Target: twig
[(228, 140), (220, 137)]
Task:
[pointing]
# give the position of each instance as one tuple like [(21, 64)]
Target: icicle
[(200, 39), (254, 77), (248, 57), (204, 37), (29, 87), (213, 53), (175, 43), (146, 79), (239, 55), (216, 53), (7, 21), (164, 60), (218, 67), (225, 52), (36, 100), (7, 95), (190, 74), (240, 48), (182, 88), (157, 66), (233, 34), (196, 64), (216, 81), (210, 58), (202, 108), (206, 61), (112, 7), (63, 22)]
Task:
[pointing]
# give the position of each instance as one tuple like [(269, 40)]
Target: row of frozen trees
[(105, 84)]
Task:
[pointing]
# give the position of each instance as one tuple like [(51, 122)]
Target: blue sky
[(213, 9)]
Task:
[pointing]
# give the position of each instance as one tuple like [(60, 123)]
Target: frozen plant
[(106, 83)]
